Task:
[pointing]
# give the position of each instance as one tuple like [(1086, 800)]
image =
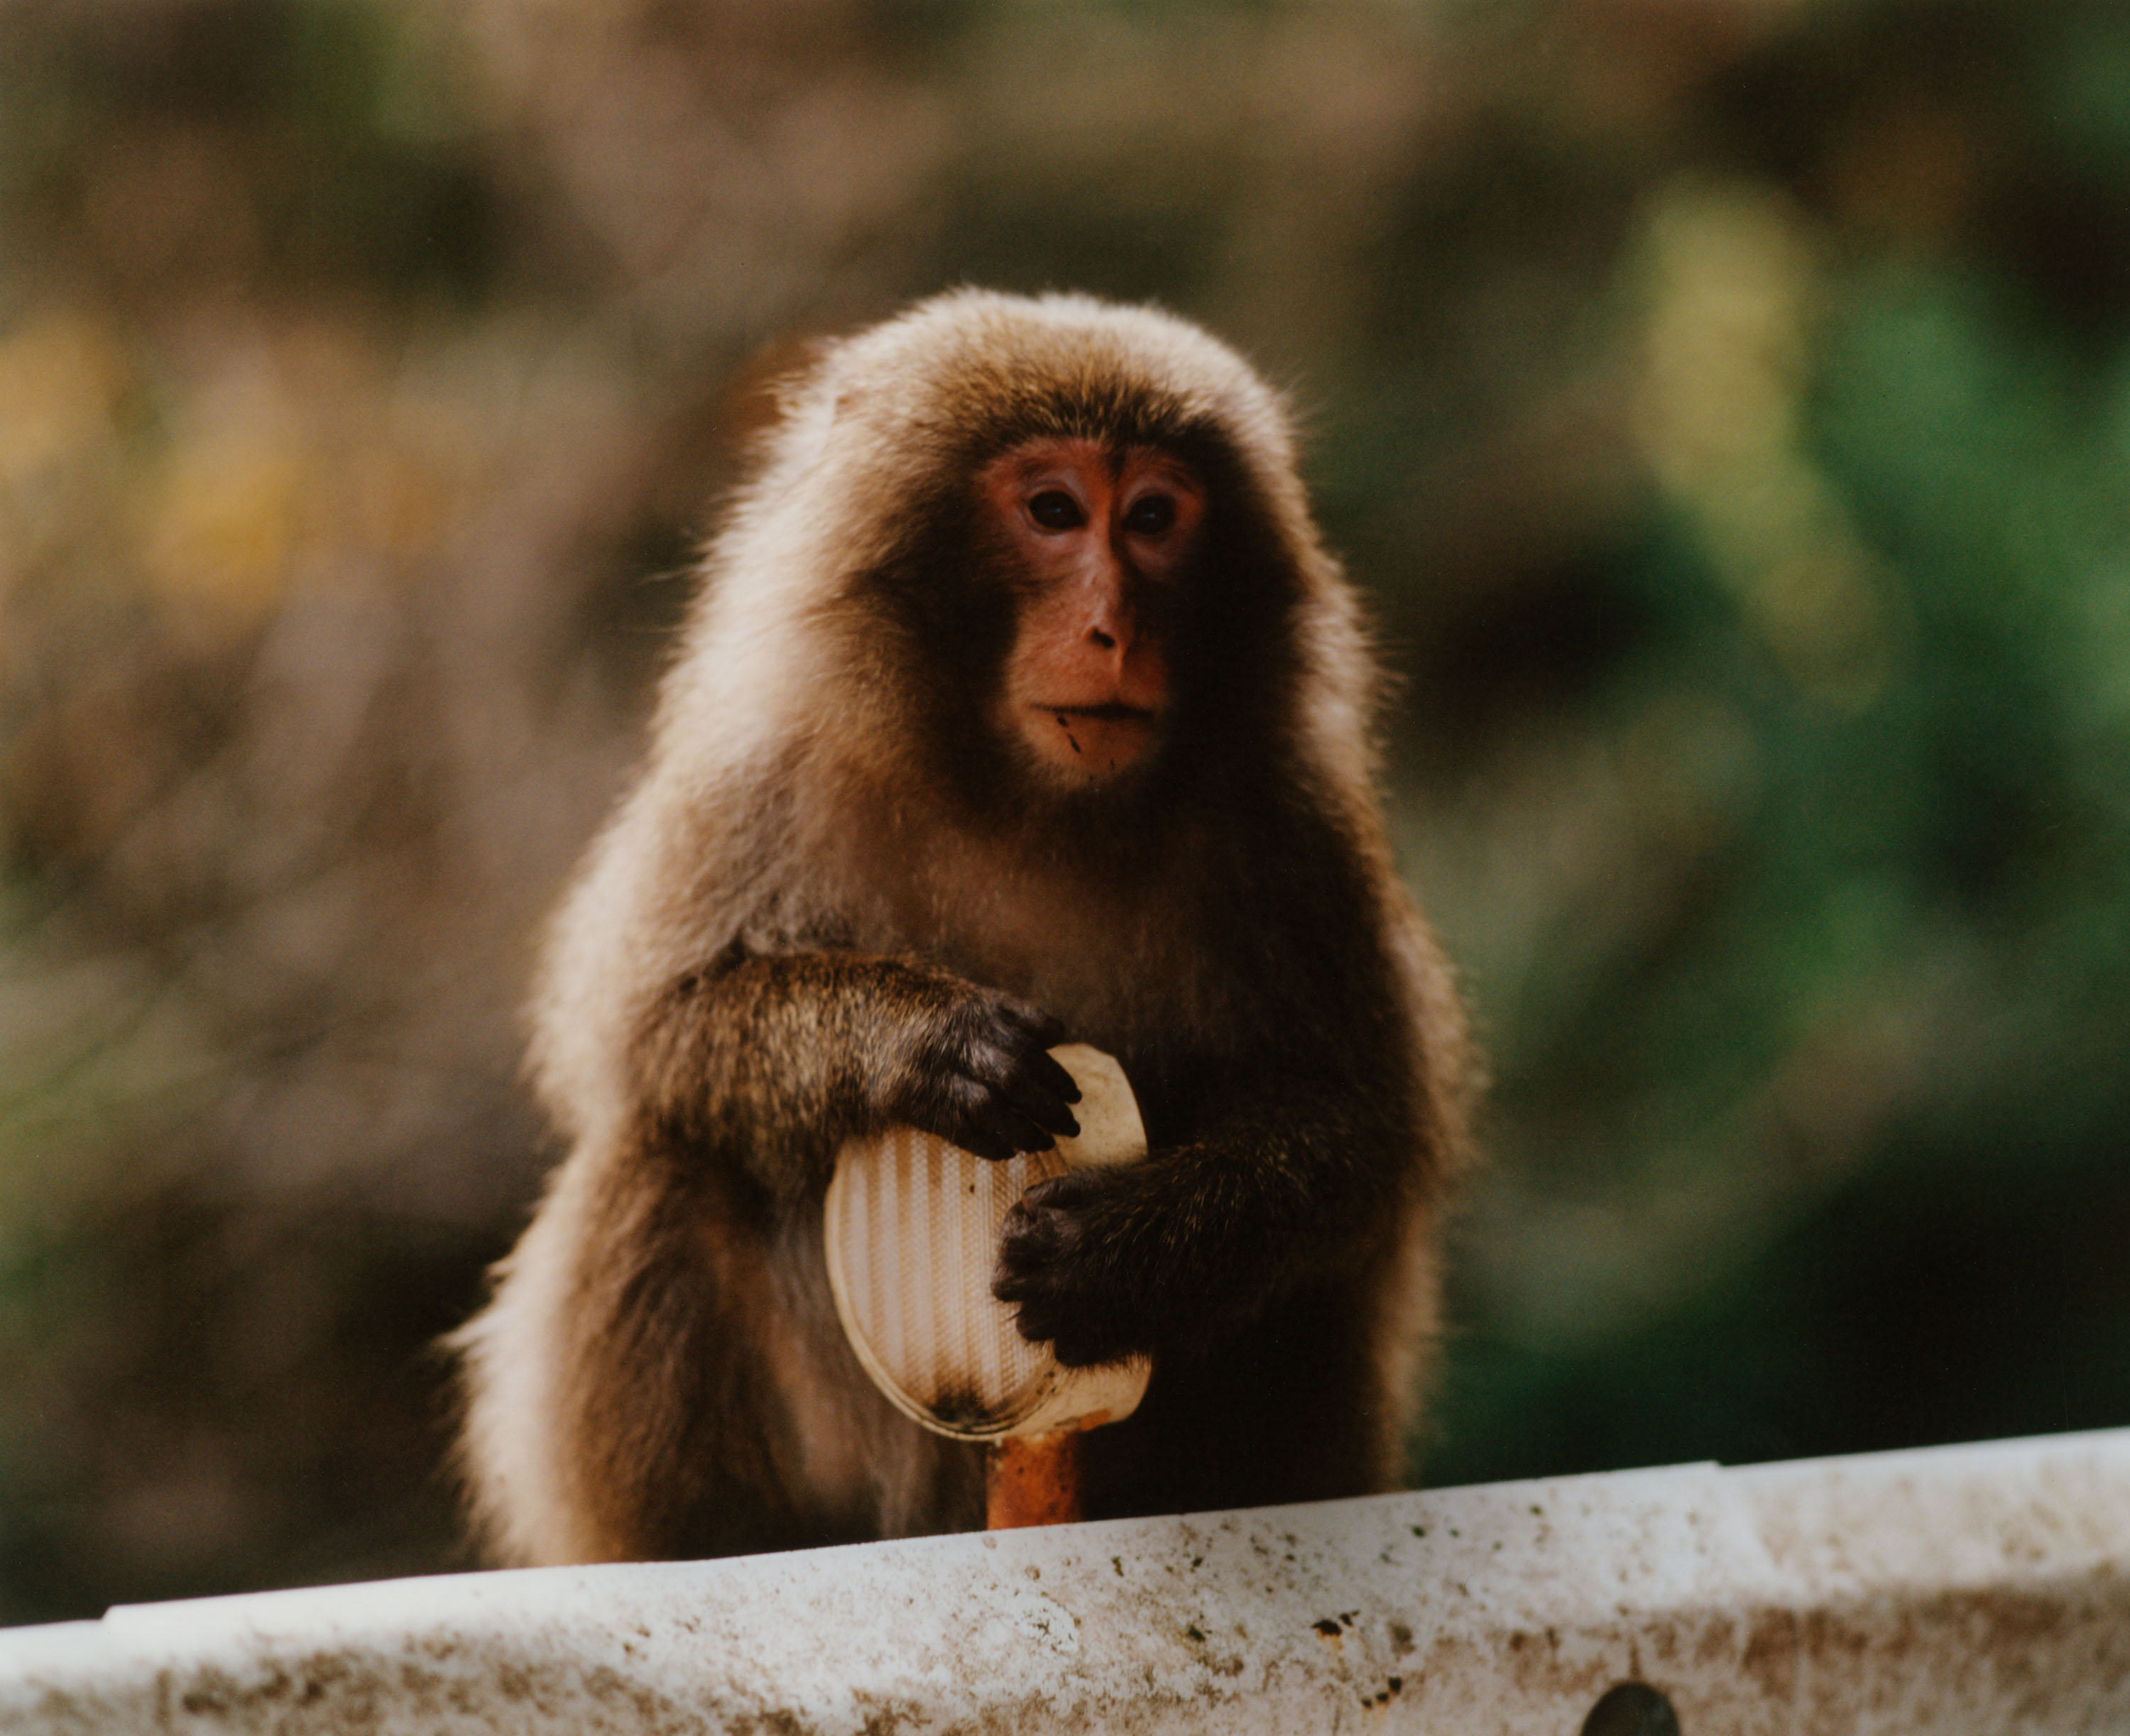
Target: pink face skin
[(1084, 687)]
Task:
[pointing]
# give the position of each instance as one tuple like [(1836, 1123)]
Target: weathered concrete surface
[(1962, 1590)]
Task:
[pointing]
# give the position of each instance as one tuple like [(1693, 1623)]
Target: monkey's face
[(1098, 537)]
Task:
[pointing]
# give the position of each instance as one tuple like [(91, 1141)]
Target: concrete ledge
[(1958, 1590)]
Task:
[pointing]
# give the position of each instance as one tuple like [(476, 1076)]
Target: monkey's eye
[(1150, 515), (1054, 510)]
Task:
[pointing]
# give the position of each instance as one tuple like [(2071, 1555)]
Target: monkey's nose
[(1111, 630)]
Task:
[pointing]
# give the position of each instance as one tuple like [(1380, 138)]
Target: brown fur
[(834, 886)]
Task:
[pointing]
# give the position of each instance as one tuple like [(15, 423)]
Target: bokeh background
[(1725, 402)]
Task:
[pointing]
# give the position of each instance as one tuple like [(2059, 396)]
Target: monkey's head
[(1091, 540), (1062, 543)]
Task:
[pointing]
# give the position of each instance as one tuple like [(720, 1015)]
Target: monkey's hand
[(981, 1078), (1056, 1261)]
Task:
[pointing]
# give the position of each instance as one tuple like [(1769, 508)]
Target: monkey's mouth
[(1111, 711), (1095, 741)]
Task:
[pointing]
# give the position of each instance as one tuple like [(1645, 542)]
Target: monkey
[(1020, 702)]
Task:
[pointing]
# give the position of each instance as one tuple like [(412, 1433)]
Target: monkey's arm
[(781, 1057), (1296, 1176)]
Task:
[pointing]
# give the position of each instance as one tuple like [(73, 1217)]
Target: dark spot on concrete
[(1327, 1627), (889, 1720), (1392, 1687), (1770, 1658), (1420, 1531), (1631, 1709), (1402, 1636), (1197, 1632)]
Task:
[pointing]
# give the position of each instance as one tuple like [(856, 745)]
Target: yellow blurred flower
[(59, 379), (222, 519)]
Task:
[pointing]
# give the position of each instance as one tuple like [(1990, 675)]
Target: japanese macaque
[(1021, 705)]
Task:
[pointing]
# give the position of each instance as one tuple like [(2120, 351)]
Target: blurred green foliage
[(1726, 407), (1921, 905)]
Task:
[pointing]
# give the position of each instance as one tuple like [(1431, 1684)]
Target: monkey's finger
[(1036, 1324), (1023, 1025), (962, 1112), (1046, 1069), (1041, 1105), (1032, 1236), (982, 1120), (1013, 1279), (1022, 1132), (1031, 1078), (989, 1090), (1028, 1014), (980, 1142), (1011, 1284), (1059, 1200), (1051, 1320)]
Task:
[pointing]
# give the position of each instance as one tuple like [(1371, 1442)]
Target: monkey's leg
[(661, 1376), (662, 1372), (1298, 1407)]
